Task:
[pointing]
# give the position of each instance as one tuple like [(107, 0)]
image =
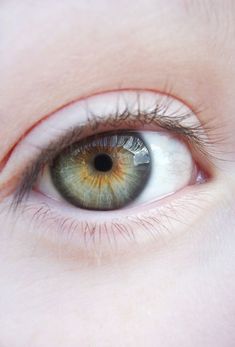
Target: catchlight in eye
[(116, 153), (111, 171), (104, 172)]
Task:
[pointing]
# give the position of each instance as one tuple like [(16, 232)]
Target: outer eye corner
[(151, 163), (112, 171), (115, 169)]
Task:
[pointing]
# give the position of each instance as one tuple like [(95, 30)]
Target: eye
[(117, 166), (113, 170)]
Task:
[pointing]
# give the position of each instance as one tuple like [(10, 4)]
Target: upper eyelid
[(158, 117), (166, 92)]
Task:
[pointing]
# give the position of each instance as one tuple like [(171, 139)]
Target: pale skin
[(177, 292)]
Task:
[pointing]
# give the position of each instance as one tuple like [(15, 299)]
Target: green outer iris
[(79, 182)]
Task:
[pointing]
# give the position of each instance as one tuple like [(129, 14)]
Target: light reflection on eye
[(107, 168), (114, 170)]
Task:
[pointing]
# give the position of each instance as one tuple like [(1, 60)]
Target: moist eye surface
[(103, 172)]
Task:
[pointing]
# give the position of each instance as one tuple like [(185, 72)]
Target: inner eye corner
[(104, 163), (100, 185)]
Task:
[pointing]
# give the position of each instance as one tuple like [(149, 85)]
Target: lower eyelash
[(108, 237)]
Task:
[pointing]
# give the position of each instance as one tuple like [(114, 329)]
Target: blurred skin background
[(174, 291)]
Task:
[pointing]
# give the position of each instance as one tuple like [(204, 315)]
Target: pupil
[(103, 162)]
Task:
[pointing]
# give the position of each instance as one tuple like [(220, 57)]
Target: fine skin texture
[(179, 290)]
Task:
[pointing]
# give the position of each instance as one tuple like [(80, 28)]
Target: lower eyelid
[(114, 232), (102, 232)]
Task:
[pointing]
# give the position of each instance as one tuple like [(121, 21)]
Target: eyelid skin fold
[(143, 110), (113, 111)]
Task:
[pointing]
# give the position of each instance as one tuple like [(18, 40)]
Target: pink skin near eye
[(172, 169)]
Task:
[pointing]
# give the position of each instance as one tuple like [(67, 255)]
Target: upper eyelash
[(196, 135)]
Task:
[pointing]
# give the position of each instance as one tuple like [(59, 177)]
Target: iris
[(102, 172)]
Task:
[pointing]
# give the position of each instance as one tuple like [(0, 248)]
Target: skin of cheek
[(179, 295)]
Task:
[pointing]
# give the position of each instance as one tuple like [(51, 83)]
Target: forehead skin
[(54, 52)]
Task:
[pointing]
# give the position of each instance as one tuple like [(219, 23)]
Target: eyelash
[(156, 219), (89, 232), (196, 136)]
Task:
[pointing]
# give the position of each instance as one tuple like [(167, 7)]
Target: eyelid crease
[(196, 135)]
